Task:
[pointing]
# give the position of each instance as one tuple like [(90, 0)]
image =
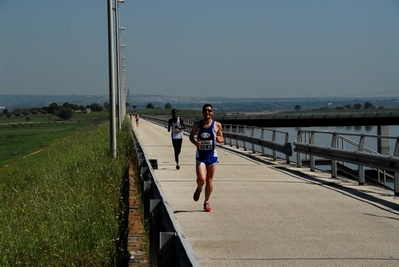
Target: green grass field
[(20, 140), (63, 206), (19, 137)]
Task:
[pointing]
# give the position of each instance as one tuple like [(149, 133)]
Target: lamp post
[(123, 91), (122, 106), (111, 82), (118, 30)]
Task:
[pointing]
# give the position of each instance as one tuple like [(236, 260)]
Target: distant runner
[(177, 125)]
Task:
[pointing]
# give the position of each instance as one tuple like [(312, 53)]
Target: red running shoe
[(207, 206), (197, 194)]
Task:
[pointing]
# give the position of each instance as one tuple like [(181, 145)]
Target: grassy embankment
[(63, 206), (19, 137)]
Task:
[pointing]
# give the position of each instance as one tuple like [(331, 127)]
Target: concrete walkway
[(268, 213)]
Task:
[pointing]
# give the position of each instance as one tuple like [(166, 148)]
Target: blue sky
[(191, 48)]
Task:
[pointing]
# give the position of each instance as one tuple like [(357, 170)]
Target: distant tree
[(149, 106), (168, 106), (34, 111), (8, 114), (17, 112), (348, 106), (380, 107), (368, 105), (339, 108), (134, 106), (28, 119), (127, 104), (65, 113), (297, 107), (53, 108), (106, 105), (357, 106), (5, 111), (95, 107)]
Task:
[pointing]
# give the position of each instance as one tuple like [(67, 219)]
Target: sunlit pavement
[(267, 213)]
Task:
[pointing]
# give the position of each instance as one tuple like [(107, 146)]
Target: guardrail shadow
[(358, 194)]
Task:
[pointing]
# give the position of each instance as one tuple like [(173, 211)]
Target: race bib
[(206, 145), (176, 130)]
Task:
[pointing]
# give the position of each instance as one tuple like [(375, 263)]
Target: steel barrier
[(361, 156), (232, 135), (233, 138)]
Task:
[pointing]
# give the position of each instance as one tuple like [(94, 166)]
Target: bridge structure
[(377, 118), (269, 212)]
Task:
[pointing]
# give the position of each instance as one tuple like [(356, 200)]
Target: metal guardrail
[(362, 156), (308, 115), (299, 119), (167, 244), (232, 135), (233, 138)]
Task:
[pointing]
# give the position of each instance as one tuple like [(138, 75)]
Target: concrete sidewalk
[(268, 213)]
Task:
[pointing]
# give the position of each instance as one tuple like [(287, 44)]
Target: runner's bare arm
[(219, 133), (193, 133)]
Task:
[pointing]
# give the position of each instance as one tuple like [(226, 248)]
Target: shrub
[(65, 113)]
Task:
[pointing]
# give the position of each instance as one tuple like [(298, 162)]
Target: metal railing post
[(253, 135), (312, 157), (274, 140), (298, 154), (334, 143), (262, 136), (361, 167)]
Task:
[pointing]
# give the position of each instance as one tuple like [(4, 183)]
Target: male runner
[(208, 132)]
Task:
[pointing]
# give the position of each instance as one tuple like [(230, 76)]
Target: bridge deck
[(272, 214)]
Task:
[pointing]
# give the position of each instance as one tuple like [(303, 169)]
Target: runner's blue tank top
[(206, 152)]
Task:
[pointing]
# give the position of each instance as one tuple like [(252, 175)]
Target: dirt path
[(137, 245)]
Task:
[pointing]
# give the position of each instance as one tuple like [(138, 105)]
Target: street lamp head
[(121, 28), (123, 45), (121, 1)]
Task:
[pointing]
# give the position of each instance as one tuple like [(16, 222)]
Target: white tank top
[(176, 132)]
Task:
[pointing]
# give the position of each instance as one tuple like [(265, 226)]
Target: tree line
[(65, 111), (151, 106), (357, 106)]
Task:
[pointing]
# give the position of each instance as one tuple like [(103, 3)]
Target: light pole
[(111, 81), (118, 30), (123, 79), (121, 86)]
